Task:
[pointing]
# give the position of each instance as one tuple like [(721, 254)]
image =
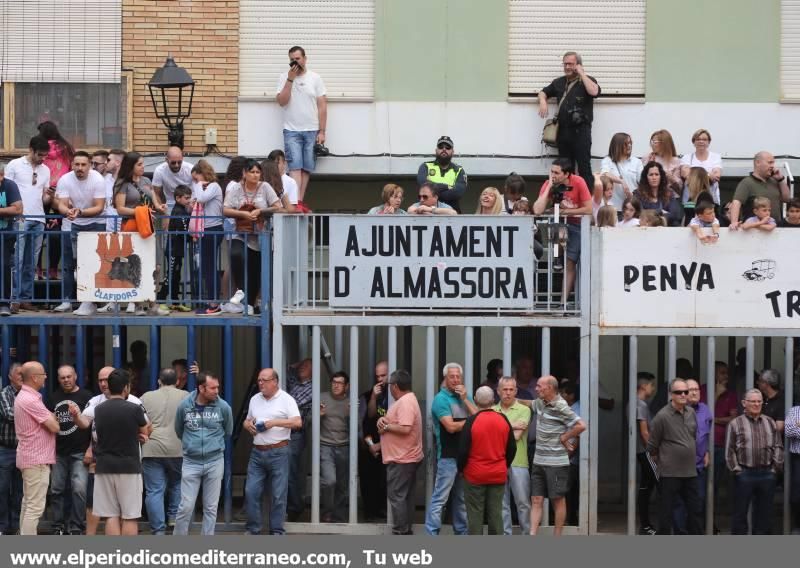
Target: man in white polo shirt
[(32, 178), (80, 197), (169, 175), (271, 417)]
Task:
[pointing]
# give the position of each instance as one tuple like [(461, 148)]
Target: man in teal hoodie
[(203, 421)]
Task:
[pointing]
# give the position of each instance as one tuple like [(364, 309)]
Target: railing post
[(227, 365)]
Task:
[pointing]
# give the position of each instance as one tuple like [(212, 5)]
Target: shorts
[(551, 481), (573, 242), (299, 148), (118, 495)]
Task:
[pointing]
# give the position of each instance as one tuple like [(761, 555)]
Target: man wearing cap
[(449, 178)]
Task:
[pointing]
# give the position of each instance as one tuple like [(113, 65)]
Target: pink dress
[(58, 161)]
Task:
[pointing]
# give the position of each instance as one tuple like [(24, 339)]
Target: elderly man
[(449, 411), (673, 446), (36, 429), (556, 426), (271, 417), (401, 439), (519, 476), (429, 202), (486, 449), (162, 458), (769, 383), (10, 478), (765, 180), (445, 176), (754, 453)]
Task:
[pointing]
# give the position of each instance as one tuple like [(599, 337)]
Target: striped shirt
[(36, 444), (552, 419), (8, 436), (792, 428), (753, 442)]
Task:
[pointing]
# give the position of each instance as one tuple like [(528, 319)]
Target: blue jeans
[(72, 468), (756, 486), (161, 476), (333, 482), (10, 491), (267, 467), (71, 256), (448, 484), (297, 475), (299, 148), (518, 485), (193, 474), (24, 262)]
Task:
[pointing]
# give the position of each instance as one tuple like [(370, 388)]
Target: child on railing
[(761, 218), (704, 218), (631, 210), (792, 214)]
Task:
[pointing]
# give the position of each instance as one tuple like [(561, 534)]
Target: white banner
[(403, 262), (658, 277), (116, 267)]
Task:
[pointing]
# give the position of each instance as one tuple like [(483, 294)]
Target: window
[(338, 36), (610, 36), (790, 50)]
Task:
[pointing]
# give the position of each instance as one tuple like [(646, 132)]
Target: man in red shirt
[(36, 429), (486, 449), (572, 195)]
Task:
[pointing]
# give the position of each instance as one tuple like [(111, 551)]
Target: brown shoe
[(15, 308), (28, 307)]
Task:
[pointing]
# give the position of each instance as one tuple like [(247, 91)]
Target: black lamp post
[(171, 91)]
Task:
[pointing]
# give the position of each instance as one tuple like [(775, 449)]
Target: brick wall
[(203, 37)]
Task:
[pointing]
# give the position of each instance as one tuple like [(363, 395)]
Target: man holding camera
[(765, 180), (575, 113), (302, 95), (572, 194)]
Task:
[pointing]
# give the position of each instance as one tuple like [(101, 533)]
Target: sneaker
[(14, 307), (58, 531), (63, 307), (31, 307), (107, 309), (213, 311), (237, 297), (180, 308), (5, 311), (85, 309), (131, 309), (248, 311), (229, 308), (648, 530), (158, 310), (201, 311), (558, 264)]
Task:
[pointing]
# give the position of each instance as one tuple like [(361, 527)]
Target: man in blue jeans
[(10, 208), (10, 477), (203, 422), (33, 180), (449, 411), (271, 417), (162, 455), (301, 93)]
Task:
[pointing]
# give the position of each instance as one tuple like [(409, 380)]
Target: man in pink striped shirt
[(36, 429)]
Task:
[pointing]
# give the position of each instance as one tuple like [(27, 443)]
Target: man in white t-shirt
[(109, 172), (302, 95), (80, 197), (169, 175), (289, 185), (271, 417), (33, 179)]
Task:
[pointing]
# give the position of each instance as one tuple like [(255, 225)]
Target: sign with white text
[(455, 262), (116, 267), (658, 277)]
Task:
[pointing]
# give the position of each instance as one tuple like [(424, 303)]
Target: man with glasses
[(10, 208), (449, 179), (271, 417), (334, 454), (429, 203), (36, 429), (575, 92), (673, 446), (99, 161), (754, 454), (169, 175), (203, 421), (33, 179)]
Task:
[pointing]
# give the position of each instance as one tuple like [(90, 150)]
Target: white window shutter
[(70, 41), (337, 35), (609, 35), (790, 50)]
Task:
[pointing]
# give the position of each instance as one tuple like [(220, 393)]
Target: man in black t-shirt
[(575, 114), (71, 444), (769, 383), (371, 470), (120, 426), (10, 207)]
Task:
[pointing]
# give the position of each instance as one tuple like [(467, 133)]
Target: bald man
[(765, 180), (169, 175), (36, 429)]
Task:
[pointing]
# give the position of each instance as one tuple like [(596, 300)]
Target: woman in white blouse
[(702, 157), (622, 168)]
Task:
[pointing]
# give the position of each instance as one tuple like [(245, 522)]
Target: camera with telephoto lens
[(321, 150), (557, 192)]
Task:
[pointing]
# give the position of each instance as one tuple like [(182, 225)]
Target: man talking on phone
[(302, 95), (764, 181)]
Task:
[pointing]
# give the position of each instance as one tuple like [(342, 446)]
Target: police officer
[(450, 178)]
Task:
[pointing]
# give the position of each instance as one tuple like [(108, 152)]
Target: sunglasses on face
[(423, 197), (680, 392), (98, 164), (444, 146), (175, 162)]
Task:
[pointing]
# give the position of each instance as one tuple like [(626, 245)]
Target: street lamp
[(170, 103)]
